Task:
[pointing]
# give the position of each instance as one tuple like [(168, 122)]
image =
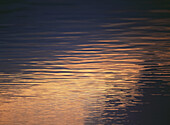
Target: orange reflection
[(73, 86)]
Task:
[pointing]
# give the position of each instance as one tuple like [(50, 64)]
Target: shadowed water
[(84, 63)]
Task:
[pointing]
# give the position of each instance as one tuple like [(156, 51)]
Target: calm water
[(84, 62)]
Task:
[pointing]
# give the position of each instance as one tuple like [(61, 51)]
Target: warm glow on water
[(64, 64), (70, 88)]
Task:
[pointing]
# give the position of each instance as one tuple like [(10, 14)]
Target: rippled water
[(84, 63)]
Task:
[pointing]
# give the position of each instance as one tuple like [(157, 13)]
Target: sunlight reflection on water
[(60, 70)]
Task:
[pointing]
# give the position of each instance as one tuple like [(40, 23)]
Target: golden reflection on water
[(74, 85), (85, 77)]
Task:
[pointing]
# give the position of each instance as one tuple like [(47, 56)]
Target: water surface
[(84, 63)]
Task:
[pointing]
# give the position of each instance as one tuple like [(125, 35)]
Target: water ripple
[(68, 70)]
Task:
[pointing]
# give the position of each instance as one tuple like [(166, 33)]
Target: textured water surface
[(84, 63)]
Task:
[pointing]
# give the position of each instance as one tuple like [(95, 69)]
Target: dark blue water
[(84, 62)]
